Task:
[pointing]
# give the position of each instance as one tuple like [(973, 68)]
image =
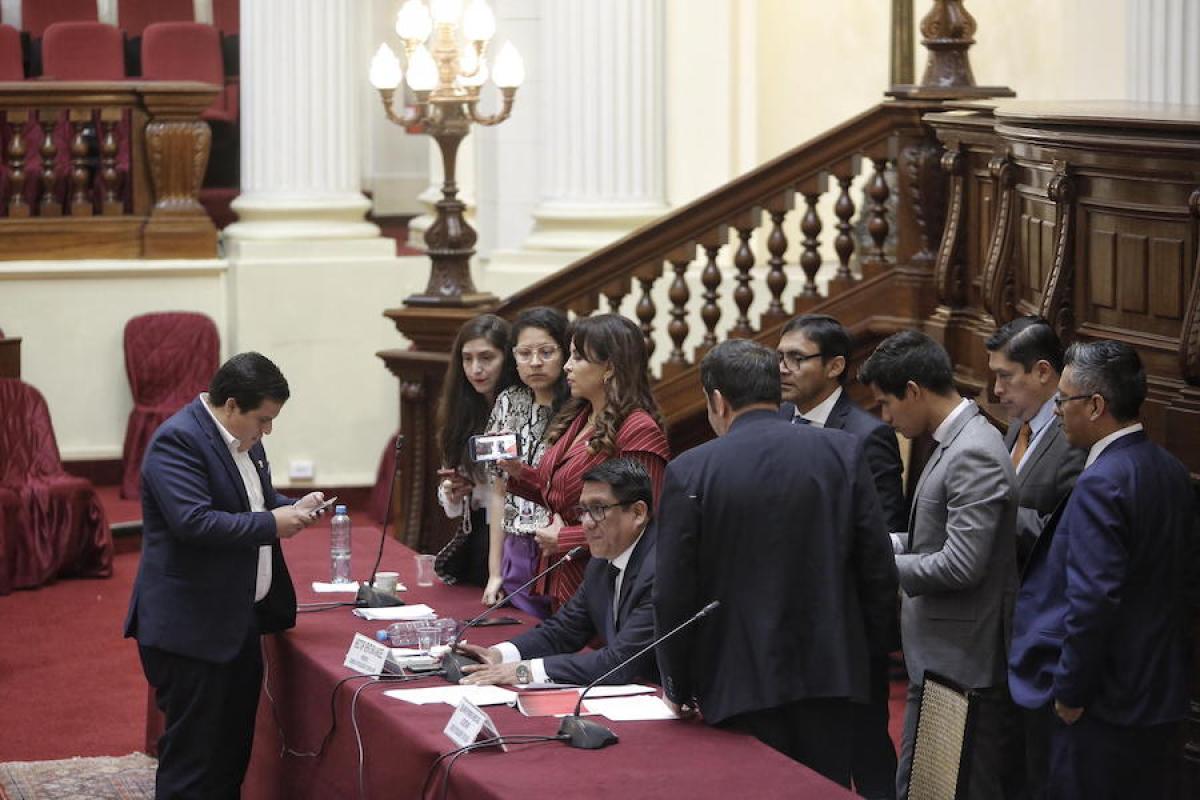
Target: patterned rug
[(129, 777)]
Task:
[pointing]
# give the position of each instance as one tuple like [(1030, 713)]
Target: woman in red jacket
[(611, 413)]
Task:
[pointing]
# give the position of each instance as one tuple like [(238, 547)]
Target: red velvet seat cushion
[(169, 358), (37, 15), (134, 16), (187, 51), (51, 523), (11, 68), (83, 51)]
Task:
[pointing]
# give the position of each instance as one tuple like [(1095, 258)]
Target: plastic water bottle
[(339, 546)]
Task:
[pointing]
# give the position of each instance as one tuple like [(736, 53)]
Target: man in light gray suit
[(1026, 358), (957, 561)]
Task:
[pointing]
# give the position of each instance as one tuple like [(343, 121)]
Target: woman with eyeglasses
[(539, 347), (480, 369), (611, 413)]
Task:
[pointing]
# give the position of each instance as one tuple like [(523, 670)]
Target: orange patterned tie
[(1022, 444)]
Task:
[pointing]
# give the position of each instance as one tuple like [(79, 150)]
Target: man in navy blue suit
[(1100, 633), (613, 602), (212, 577), (814, 357)]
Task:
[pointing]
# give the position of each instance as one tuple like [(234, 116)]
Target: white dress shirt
[(1101, 445), (250, 479), (820, 413)]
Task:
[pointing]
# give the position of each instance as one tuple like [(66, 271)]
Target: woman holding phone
[(539, 347), (611, 413), (480, 368)]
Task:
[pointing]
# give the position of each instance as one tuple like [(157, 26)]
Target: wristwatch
[(524, 674)]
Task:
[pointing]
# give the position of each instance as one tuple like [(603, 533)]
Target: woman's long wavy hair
[(617, 341), (556, 326), (462, 411)]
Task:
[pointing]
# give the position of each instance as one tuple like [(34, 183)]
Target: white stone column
[(301, 122), (1164, 51)]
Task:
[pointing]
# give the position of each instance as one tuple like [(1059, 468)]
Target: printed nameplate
[(365, 656)]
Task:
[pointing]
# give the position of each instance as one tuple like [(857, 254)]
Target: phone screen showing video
[(497, 447)]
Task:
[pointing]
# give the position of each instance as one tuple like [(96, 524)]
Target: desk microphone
[(368, 596), (589, 735), (453, 661)]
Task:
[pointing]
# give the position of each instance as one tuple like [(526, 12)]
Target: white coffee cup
[(386, 581)]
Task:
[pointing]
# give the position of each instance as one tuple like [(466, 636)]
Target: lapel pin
[(260, 464)]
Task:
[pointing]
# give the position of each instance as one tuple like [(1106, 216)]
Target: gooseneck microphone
[(368, 596), (452, 661), (589, 735)]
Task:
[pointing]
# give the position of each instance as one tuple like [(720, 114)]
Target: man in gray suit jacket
[(957, 562), (1026, 358)]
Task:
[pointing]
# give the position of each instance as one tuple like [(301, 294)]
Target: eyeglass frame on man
[(526, 357), (580, 510), (794, 359), (1060, 401)]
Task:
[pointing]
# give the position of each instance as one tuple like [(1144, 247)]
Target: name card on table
[(365, 656), (468, 723)]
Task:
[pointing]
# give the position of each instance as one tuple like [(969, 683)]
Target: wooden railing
[(104, 170)]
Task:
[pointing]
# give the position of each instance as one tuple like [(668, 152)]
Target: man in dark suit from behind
[(1025, 357), (212, 577), (613, 602), (814, 355), (780, 524), (1101, 627)]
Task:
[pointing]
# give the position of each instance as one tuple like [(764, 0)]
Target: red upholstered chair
[(83, 51), (187, 51), (51, 523), (225, 16), (37, 15), (134, 16), (11, 68), (169, 358)]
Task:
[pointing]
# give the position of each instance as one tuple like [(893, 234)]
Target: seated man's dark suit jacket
[(1101, 620), (588, 614), (1046, 477), (881, 450), (778, 522), (194, 592)]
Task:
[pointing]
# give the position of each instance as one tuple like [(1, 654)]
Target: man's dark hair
[(1112, 370), (249, 378), (626, 477), (832, 340), (745, 372), (1028, 340), (908, 356)]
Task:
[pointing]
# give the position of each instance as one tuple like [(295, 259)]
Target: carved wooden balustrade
[(777, 203), (104, 170)]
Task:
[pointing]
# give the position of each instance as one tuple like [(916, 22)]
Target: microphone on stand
[(589, 735), (454, 662), (368, 596)]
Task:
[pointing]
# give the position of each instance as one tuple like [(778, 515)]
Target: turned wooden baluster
[(17, 207), (646, 275), (743, 260), (81, 201), (47, 206), (678, 294), (877, 225), (710, 277), (843, 209), (777, 244), (109, 177), (810, 226), (614, 293)]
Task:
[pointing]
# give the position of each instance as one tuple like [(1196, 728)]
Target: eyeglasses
[(1060, 401), (524, 355), (597, 511), (794, 359)]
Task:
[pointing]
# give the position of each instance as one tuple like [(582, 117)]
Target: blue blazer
[(1100, 619), (194, 592), (880, 449), (588, 615)]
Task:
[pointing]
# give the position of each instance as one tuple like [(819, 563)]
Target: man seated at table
[(613, 604)]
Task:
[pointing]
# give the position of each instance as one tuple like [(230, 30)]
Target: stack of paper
[(327, 588), (562, 702), (452, 694), (394, 613)]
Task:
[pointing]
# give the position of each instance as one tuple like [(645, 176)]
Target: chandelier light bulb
[(422, 71), (508, 71), (413, 22), (385, 69), (479, 23), (446, 12)]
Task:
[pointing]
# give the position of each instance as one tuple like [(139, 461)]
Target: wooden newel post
[(948, 31)]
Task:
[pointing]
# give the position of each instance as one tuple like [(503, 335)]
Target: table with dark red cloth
[(400, 741)]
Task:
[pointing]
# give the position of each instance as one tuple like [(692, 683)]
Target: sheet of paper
[(394, 613), (617, 690), (452, 694), (630, 709), (330, 588)]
